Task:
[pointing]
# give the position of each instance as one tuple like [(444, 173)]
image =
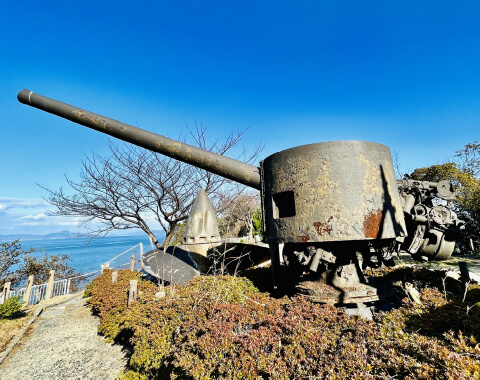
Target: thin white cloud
[(7, 202), (40, 216), (52, 223), (31, 216), (32, 224), (24, 216)]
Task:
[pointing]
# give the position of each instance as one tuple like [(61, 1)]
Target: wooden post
[(114, 276), (132, 293), (6, 290), (132, 263), (48, 295), (26, 297), (105, 266)]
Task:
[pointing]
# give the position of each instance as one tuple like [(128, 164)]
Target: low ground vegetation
[(12, 320), (223, 327)]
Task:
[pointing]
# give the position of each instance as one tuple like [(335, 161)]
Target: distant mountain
[(54, 235), (71, 235)]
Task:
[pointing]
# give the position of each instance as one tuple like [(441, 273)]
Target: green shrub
[(223, 327), (88, 291), (10, 307), (109, 301)]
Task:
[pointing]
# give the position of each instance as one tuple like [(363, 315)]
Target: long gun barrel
[(226, 167)]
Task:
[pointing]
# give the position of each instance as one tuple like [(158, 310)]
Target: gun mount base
[(320, 292)]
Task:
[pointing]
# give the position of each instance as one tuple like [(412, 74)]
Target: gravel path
[(63, 344)]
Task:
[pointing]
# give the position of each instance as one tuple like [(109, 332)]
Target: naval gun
[(325, 205)]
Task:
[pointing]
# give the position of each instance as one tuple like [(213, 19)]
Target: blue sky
[(405, 74)]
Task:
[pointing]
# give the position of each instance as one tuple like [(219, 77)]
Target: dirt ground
[(9, 328)]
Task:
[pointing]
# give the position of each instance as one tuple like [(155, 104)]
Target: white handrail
[(60, 287), (128, 250)]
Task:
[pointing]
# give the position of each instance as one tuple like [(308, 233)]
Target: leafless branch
[(133, 186)]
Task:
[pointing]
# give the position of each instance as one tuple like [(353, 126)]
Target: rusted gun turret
[(323, 203)]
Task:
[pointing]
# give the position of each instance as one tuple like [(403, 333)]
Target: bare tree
[(396, 164), (237, 218), (133, 187)]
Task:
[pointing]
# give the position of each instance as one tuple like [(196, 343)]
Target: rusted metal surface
[(226, 167), (333, 191), (323, 228), (372, 224)]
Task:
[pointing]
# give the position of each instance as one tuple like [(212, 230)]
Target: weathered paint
[(337, 189)]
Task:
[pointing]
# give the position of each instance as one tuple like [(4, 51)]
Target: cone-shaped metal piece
[(202, 226)]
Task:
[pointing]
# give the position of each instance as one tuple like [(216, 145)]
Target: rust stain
[(322, 228), (305, 238), (372, 223)]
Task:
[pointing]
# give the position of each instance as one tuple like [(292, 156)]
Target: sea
[(87, 255)]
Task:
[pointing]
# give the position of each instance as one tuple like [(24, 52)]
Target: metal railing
[(130, 259), (12, 293), (38, 293)]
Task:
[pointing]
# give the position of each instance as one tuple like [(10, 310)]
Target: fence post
[(114, 276), (48, 294), (6, 290), (132, 293), (132, 263), (26, 296)]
